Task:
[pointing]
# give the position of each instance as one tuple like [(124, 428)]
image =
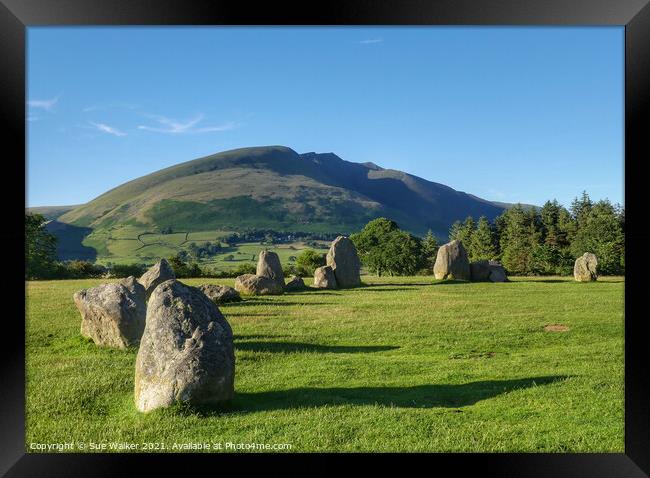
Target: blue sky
[(507, 114)]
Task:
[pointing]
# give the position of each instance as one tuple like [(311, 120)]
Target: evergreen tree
[(429, 250), (481, 245), (518, 240), (40, 248), (580, 208), (455, 230), (600, 232)]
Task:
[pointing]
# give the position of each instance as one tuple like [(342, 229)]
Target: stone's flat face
[(343, 259), (157, 274), (186, 353), (251, 284), (295, 283), (113, 315), (452, 262), (584, 269), (324, 278), (220, 294), (268, 265)]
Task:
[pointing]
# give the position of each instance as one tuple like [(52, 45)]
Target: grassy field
[(404, 364), (133, 244)]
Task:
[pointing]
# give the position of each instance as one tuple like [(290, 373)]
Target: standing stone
[(296, 283), (113, 315), (324, 278), (186, 353), (268, 265), (480, 271), (497, 272), (584, 269), (251, 284), (220, 294), (160, 272), (452, 262), (343, 259)]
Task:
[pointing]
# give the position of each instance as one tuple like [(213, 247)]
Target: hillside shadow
[(419, 396), (69, 240), (298, 347)]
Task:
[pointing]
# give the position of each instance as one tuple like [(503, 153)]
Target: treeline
[(547, 241), (268, 236)]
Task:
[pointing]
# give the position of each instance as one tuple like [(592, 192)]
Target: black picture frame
[(16, 15)]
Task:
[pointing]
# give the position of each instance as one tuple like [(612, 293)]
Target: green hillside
[(269, 187)]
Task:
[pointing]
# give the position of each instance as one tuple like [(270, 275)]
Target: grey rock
[(113, 315), (324, 278), (452, 262), (268, 265), (220, 294), (160, 272), (251, 284), (343, 259), (186, 353), (483, 270), (497, 272), (480, 271), (296, 283), (584, 269)]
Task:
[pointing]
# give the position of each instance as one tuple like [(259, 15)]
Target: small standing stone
[(343, 259), (113, 315), (251, 284), (160, 272), (296, 283), (584, 269), (268, 265), (220, 294), (324, 278)]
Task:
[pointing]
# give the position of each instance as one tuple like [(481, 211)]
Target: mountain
[(274, 187), (51, 212)]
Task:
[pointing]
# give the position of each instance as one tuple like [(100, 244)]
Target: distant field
[(132, 244), (403, 364)]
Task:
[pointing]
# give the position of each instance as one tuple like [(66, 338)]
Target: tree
[(518, 240), (384, 249), (481, 245), (580, 208), (308, 261), (600, 232), (429, 250), (40, 248)]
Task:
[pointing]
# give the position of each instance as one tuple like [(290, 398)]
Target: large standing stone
[(484, 270), (160, 272), (452, 262), (324, 278), (113, 314), (186, 353), (251, 284), (296, 283), (584, 269), (268, 265), (344, 261), (220, 294)]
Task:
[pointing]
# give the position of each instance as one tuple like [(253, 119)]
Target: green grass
[(404, 364)]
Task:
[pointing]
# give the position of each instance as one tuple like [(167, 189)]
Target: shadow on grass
[(255, 302), (393, 284), (297, 347), (420, 396), (451, 282)]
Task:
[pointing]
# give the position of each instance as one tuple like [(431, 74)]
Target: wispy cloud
[(172, 126), (106, 106), (107, 129), (33, 118), (46, 105), (371, 40)]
